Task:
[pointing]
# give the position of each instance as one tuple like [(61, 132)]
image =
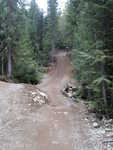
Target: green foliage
[(90, 26), (25, 66), (22, 32), (99, 81), (100, 109), (52, 25)]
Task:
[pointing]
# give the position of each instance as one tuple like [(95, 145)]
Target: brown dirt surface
[(58, 125)]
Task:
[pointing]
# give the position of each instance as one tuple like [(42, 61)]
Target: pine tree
[(9, 25), (91, 31), (15, 42), (52, 24)]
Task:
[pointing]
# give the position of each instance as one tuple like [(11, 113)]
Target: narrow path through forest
[(58, 125)]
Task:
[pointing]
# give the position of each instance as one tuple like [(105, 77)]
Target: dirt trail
[(59, 125)]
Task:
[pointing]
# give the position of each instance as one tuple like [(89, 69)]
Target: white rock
[(33, 93), (69, 95), (95, 125), (38, 97), (41, 102), (109, 121), (43, 95), (86, 119), (55, 142), (35, 99), (65, 113)]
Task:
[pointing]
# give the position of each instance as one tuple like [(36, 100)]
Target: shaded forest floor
[(58, 125)]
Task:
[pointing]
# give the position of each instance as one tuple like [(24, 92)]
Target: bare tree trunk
[(104, 84), (2, 65), (104, 92), (52, 50), (9, 42), (9, 63), (111, 96)]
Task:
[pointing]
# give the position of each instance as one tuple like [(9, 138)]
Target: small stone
[(86, 119), (19, 118), (65, 113), (33, 93), (35, 99), (96, 125), (55, 142), (43, 95), (41, 102), (69, 94)]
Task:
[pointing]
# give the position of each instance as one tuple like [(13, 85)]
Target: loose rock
[(69, 90), (96, 125), (39, 97)]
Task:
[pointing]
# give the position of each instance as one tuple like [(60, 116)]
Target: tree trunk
[(104, 92), (104, 84), (2, 65), (10, 6), (9, 63), (52, 50), (111, 96)]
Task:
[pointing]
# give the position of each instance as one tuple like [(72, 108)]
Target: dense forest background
[(28, 39)]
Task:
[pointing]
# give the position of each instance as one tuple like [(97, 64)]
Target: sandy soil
[(58, 125)]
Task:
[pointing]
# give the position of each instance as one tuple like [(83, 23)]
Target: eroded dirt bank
[(58, 125)]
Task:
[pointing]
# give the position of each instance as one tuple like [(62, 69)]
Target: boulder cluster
[(70, 91), (39, 97)]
